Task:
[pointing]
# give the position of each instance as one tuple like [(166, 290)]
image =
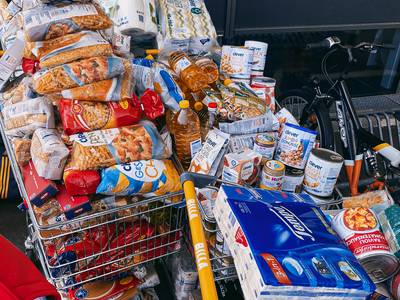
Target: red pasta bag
[(81, 182), (84, 116)]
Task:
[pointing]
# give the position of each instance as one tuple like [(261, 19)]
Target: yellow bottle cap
[(184, 104), (198, 106), (227, 82), (150, 57), (152, 51)]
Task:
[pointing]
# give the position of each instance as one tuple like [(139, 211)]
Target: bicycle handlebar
[(333, 41)]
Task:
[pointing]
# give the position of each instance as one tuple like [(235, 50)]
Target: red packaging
[(38, 189), (72, 206), (152, 104), (120, 289), (81, 182), (84, 116)]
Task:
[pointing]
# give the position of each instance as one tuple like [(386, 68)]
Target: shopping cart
[(106, 243), (208, 271)]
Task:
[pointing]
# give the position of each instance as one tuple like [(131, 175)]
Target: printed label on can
[(359, 229), (259, 56), (295, 146), (265, 145), (320, 175), (292, 184), (236, 62), (272, 176)]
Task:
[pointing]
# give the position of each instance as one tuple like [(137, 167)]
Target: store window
[(293, 66)]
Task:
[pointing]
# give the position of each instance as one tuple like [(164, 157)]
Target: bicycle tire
[(321, 111)]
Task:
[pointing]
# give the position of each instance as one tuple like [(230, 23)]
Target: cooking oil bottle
[(186, 127), (191, 74), (209, 67)]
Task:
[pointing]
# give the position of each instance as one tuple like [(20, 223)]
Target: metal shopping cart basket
[(106, 243), (208, 265)]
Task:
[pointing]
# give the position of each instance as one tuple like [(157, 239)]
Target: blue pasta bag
[(150, 177)]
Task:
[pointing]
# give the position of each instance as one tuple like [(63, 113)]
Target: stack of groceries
[(99, 137)]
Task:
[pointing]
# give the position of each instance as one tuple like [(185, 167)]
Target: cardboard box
[(72, 206), (38, 189)]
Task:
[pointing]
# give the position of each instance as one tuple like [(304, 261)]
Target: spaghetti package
[(23, 118), (105, 148), (49, 154), (77, 73), (84, 116), (43, 23), (149, 177), (69, 48), (115, 89)]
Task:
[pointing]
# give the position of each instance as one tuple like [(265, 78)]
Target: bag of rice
[(104, 148), (69, 48), (49, 154), (77, 73), (115, 89), (49, 22), (149, 177), (23, 118)]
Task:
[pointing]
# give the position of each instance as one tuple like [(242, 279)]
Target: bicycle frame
[(357, 140)]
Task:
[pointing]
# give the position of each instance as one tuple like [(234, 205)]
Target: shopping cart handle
[(204, 269), (199, 180)]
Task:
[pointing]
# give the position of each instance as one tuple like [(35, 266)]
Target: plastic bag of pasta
[(49, 22), (69, 48), (115, 89), (105, 148), (77, 73), (150, 177), (84, 116), (23, 118)]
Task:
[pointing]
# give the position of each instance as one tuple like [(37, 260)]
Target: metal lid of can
[(380, 266), (275, 165), (328, 155), (265, 139), (294, 172)]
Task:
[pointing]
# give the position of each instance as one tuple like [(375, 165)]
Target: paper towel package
[(284, 248)]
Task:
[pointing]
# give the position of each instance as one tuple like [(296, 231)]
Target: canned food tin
[(293, 180), (295, 145), (236, 62), (394, 286), (321, 172), (272, 175), (359, 228), (264, 144), (259, 56), (264, 87)]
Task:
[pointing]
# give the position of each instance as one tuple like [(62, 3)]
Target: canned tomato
[(259, 55), (293, 180), (321, 172), (236, 62), (264, 87), (394, 286), (359, 229), (264, 144), (295, 145), (272, 175)]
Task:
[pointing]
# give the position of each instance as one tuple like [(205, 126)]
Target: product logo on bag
[(295, 225)]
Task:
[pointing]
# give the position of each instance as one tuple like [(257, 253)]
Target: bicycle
[(358, 144)]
